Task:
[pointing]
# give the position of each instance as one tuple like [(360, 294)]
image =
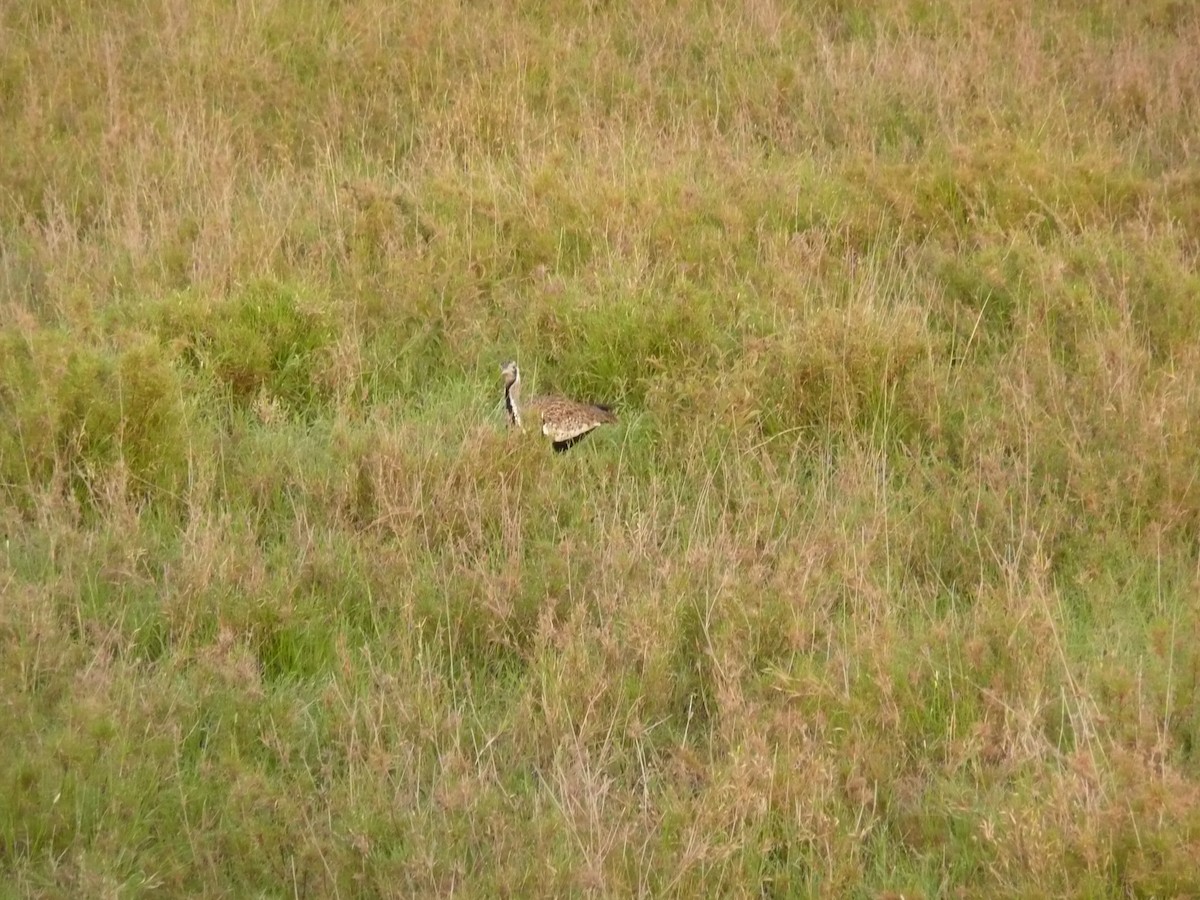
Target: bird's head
[(510, 373)]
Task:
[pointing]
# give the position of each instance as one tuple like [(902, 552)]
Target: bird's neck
[(511, 394)]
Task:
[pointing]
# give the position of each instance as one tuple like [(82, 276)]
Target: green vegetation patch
[(266, 341), (90, 415)]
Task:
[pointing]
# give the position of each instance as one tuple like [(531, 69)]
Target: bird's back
[(563, 419)]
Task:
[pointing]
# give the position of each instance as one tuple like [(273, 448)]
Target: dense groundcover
[(885, 582)]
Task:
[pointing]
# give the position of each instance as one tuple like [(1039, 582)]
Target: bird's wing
[(564, 419), (564, 431)]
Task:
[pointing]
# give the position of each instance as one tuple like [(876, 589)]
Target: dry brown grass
[(884, 585)]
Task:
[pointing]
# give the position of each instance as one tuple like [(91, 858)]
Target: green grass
[(883, 586)]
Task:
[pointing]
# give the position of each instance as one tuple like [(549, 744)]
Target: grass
[(884, 586)]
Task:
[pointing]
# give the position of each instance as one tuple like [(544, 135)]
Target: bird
[(564, 421)]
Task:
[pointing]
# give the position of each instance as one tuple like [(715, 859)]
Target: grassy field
[(886, 584)]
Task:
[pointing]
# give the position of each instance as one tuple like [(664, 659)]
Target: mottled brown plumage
[(562, 420)]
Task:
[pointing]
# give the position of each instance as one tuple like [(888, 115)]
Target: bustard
[(565, 422)]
